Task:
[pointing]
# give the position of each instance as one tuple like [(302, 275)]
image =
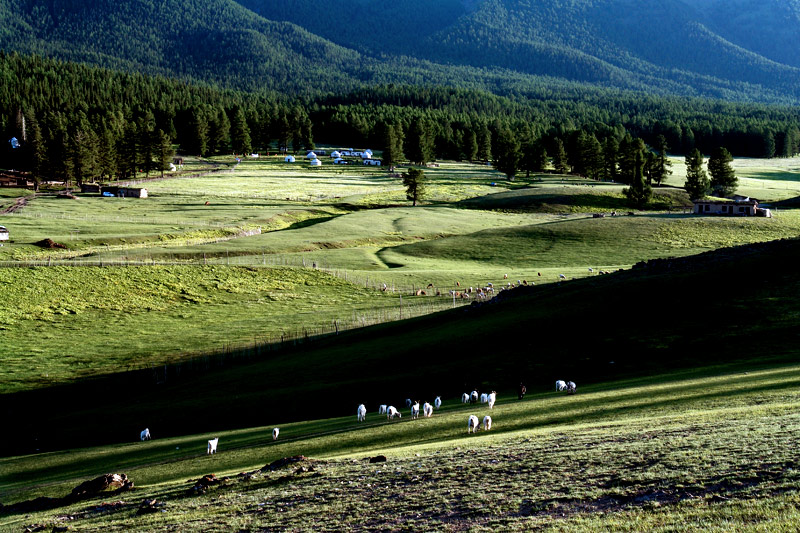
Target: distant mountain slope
[(216, 40)]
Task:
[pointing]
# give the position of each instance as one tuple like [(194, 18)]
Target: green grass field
[(712, 449)]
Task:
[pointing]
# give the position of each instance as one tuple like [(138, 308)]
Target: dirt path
[(18, 204)]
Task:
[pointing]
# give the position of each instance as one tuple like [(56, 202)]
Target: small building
[(311, 155), (366, 154), (316, 163), (90, 188), (373, 162), (745, 208), (4, 235), (336, 154), (289, 159), (124, 192)]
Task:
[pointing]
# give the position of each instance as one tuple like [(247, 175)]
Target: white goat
[(473, 398), (415, 410), (145, 435), (571, 387), (492, 398), (392, 412), (427, 410), (484, 398), (561, 385), (487, 423), (212, 446), (464, 398), (472, 424), (382, 409), (437, 403), (362, 413), (275, 432)]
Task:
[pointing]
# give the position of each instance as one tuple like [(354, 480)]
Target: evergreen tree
[(198, 132), (470, 145), (508, 155), (164, 151), (418, 145), (610, 157), (37, 151), (240, 133), (306, 135), (662, 167), (590, 156), (534, 157), (639, 193), (697, 183), (391, 142), (723, 178), (414, 182), (484, 140), (560, 161), (219, 132)]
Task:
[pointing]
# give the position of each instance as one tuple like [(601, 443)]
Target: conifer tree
[(639, 193), (470, 145), (240, 133), (414, 182), (508, 155), (662, 166), (560, 162), (697, 183), (723, 178)]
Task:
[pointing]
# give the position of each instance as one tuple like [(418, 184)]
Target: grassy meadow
[(711, 448)]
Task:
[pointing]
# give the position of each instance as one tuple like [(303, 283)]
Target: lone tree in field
[(414, 181), (697, 184), (640, 192), (723, 178)]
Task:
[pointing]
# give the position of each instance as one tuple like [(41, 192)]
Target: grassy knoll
[(62, 323), (713, 447)]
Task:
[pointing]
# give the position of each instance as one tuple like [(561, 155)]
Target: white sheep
[(484, 398), (562, 276), (212, 446), (473, 398), (571, 387), (464, 398), (382, 409), (275, 432), (561, 385), (415, 410), (392, 412), (472, 424), (487, 423), (437, 403), (492, 399), (427, 410), (362, 413), (145, 435)]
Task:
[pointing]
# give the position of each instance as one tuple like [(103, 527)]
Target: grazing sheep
[(472, 424), (437, 403), (212, 446), (415, 410), (382, 409), (505, 276), (145, 435), (571, 387), (408, 402), (487, 423), (464, 398), (562, 276), (275, 432), (362, 413), (427, 410), (392, 412), (561, 385), (591, 270), (492, 399), (473, 398), (484, 398)]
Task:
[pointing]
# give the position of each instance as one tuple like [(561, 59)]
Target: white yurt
[(335, 154), (316, 163), (289, 159), (366, 154), (311, 155)]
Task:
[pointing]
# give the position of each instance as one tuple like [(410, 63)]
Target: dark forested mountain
[(732, 49)]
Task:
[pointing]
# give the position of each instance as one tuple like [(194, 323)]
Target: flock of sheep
[(473, 424)]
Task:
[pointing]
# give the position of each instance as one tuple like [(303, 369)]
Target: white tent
[(311, 155), (336, 154), (289, 159), (316, 163)]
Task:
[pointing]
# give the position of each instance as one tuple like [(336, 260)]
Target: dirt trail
[(18, 204)]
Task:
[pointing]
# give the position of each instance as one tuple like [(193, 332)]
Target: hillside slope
[(673, 314)]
